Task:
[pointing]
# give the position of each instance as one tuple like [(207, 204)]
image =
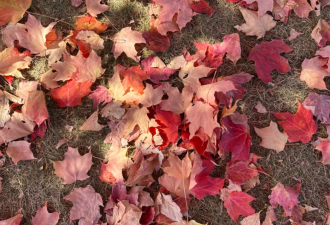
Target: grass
[(29, 184)]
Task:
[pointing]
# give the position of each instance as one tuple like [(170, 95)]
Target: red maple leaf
[(267, 58), (169, 123), (71, 93), (238, 172), (90, 23), (238, 204), (236, 138), (299, 126), (133, 77)]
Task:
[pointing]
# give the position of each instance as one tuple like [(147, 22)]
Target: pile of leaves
[(161, 132)]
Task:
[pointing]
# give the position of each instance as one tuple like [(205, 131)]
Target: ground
[(29, 184)]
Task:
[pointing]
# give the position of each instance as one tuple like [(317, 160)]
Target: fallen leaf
[(90, 23), (202, 7), (235, 138), (151, 96), (15, 220), (88, 69), (299, 126), (35, 108), (179, 7), (13, 10), (294, 34), (4, 109), (165, 205), (71, 93), (86, 204), (251, 220), (314, 71), (324, 147), (133, 78), (177, 102), (267, 58), (270, 216), (74, 166), (92, 38), (100, 95), (239, 171), (43, 217), (272, 138), (255, 25), (201, 115), (12, 61), (303, 8), (94, 7), (124, 41), (287, 197), (319, 105), (31, 35), (321, 33), (19, 150), (237, 204), (263, 6), (325, 53), (91, 123), (260, 108)]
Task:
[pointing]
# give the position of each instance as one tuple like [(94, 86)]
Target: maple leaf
[(303, 8), (260, 108), (91, 123), (90, 23), (251, 220), (155, 41), (182, 100), (156, 69), (13, 10), (124, 41), (201, 115), (24, 88), (282, 9), (272, 138), (177, 168), (287, 197), (151, 96), (113, 110), (319, 105), (165, 205), (231, 45), (299, 126), (35, 108), (18, 126), (294, 34), (202, 7), (88, 69), (169, 123), (31, 35), (86, 204), (136, 116), (239, 171), (255, 25), (71, 93), (179, 7), (15, 220), (94, 7), (60, 71), (324, 147), (321, 33), (12, 61), (325, 53), (100, 95), (270, 216), (19, 150), (267, 58), (190, 74), (208, 91), (314, 71), (263, 6), (4, 109), (116, 161), (133, 78), (236, 138), (43, 217), (76, 3), (74, 166), (91, 38), (237, 204)]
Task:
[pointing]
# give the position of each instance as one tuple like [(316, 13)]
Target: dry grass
[(31, 183)]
